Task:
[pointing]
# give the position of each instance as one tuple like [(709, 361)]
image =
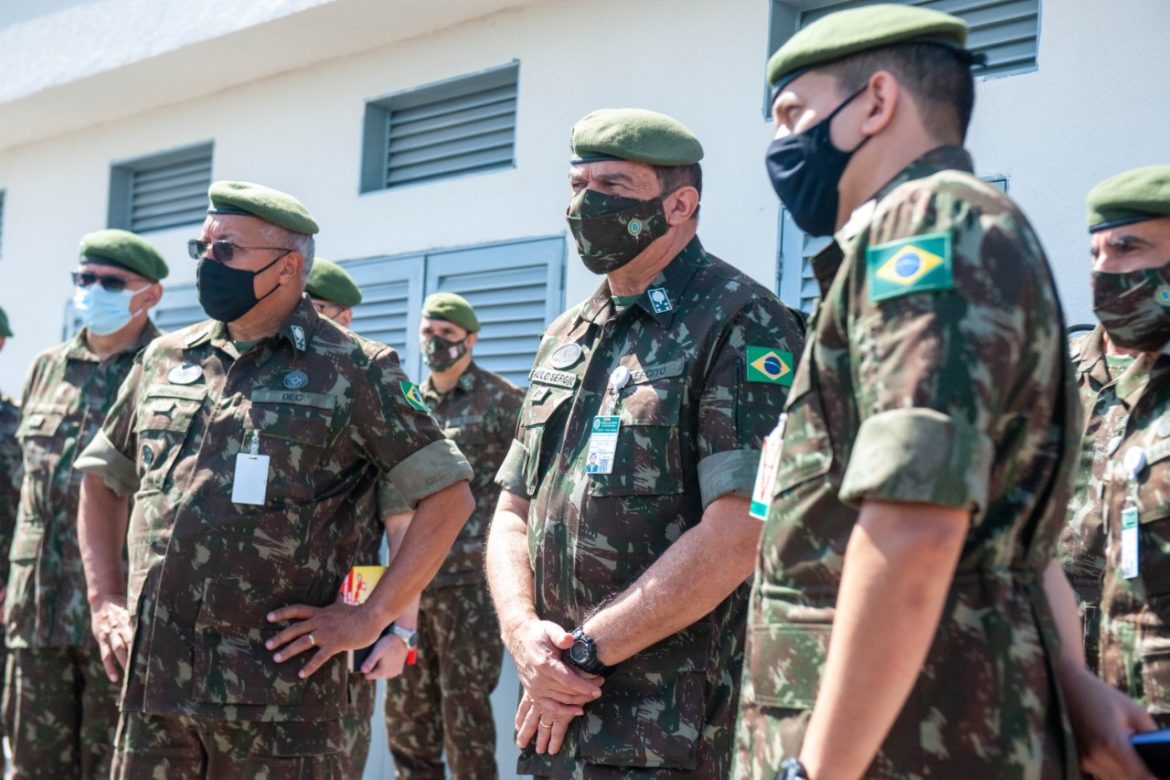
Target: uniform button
[(1114, 443)]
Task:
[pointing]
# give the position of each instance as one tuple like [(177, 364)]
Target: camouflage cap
[(860, 29), (1133, 196), (243, 198), (329, 282), (633, 134), (123, 249), (5, 331), (452, 308)]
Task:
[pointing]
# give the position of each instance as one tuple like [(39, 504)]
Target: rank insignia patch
[(773, 366), (915, 264), (413, 397)]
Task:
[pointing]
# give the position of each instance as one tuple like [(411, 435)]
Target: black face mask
[(805, 169), (226, 293)]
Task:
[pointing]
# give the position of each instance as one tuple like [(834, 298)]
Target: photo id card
[(251, 482), (602, 444)]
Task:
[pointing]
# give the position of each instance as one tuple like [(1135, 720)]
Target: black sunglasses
[(109, 282), (224, 251)]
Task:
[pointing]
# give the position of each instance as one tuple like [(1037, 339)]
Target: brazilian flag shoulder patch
[(774, 366), (909, 265), (413, 397)]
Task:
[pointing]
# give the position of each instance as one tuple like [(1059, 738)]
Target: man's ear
[(151, 296), (471, 339), (292, 267), (882, 96), (680, 205)]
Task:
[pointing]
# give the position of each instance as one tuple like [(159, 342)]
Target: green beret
[(633, 134), (860, 29), (254, 200), (5, 331), (329, 282), (123, 249), (1133, 196), (452, 308)]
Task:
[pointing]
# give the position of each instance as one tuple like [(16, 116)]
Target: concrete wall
[(281, 90)]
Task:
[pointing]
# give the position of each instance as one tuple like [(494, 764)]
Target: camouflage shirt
[(936, 372), (10, 476), (68, 392), (478, 414), (691, 429), (1082, 540), (1135, 610), (330, 410)]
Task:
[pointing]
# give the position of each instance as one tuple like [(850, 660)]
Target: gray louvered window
[(797, 286), (1006, 31), (466, 125), (161, 191)]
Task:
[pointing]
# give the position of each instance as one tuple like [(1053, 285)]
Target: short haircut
[(671, 177), (938, 76), (303, 243)]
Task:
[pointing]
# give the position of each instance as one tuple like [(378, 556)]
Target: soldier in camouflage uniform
[(918, 478), (624, 512), (62, 707), (333, 293), (251, 444), (1129, 218), (442, 704), (1082, 540), (10, 477)]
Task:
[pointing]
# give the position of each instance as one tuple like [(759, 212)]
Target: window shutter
[(162, 191), (462, 126), (515, 290), (1006, 31)]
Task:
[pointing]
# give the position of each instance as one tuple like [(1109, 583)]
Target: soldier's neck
[(445, 381), (119, 341), (635, 276)]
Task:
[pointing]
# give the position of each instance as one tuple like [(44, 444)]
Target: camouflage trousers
[(60, 711), (443, 701), (185, 748), (355, 726)]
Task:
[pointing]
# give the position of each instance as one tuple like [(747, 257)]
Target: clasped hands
[(554, 692)]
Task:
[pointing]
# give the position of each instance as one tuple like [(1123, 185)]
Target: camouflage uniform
[(961, 397), (1135, 613), (331, 410), (1082, 541), (444, 700), (62, 705), (11, 470), (691, 430)]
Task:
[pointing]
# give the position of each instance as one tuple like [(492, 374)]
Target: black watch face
[(579, 652)]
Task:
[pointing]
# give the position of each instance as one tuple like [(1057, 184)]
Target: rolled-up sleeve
[(739, 407)]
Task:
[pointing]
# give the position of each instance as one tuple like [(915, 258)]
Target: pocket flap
[(785, 662), (655, 403), (39, 423)]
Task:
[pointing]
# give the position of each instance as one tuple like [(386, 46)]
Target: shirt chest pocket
[(165, 417), (38, 431), (1153, 499), (648, 460), (808, 451), (538, 437), (294, 429)]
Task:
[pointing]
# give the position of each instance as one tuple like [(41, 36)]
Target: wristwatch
[(408, 637), (792, 769), (582, 654)]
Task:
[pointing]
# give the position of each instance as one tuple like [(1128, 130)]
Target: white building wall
[(1096, 105)]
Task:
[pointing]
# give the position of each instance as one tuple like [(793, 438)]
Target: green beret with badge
[(634, 135), (241, 198), (1132, 196), (123, 249), (452, 308), (5, 330), (329, 282), (856, 30)]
